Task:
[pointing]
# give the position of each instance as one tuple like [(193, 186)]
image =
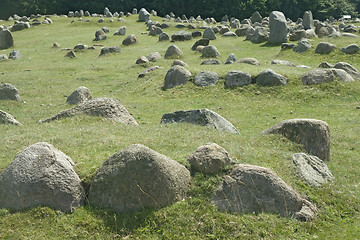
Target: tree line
[(321, 9)]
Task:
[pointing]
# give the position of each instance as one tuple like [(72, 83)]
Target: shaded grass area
[(44, 78)]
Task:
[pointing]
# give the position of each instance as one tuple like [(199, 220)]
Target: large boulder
[(176, 75), (206, 78), (9, 92), (137, 177), (252, 189), (203, 117), (278, 28), (210, 158), (349, 69), (325, 48), (237, 78), (6, 39), (102, 107), (308, 21), (144, 15), (173, 52), (6, 118), (41, 175), (80, 95), (270, 78), (324, 75), (130, 40), (209, 34), (312, 134), (312, 170), (181, 36), (210, 52)]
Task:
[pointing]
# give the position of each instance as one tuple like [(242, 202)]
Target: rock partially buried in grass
[(103, 107), (252, 189), (130, 40), (203, 117), (6, 118), (176, 76), (349, 69), (325, 48), (70, 54), (351, 49), (41, 175), (108, 50), (9, 92), (137, 177), (313, 134), (210, 52), (324, 75), (206, 78), (270, 78), (237, 79), (80, 95), (173, 52)]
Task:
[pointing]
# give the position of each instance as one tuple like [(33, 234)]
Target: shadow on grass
[(269, 44)]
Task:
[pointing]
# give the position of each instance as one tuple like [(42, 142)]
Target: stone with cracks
[(164, 37), (278, 28), (324, 75), (210, 158), (103, 107), (260, 35), (206, 78), (270, 78), (351, 49), (312, 134), (325, 48), (173, 52), (237, 78), (349, 69), (312, 170), (253, 189), (202, 117), (176, 75), (138, 177), (41, 175), (6, 118), (210, 52), (9, 92), (80, 95)]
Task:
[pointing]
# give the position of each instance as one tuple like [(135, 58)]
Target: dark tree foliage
[(240, 9)]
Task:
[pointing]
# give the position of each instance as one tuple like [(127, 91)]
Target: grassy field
[(45, 77)]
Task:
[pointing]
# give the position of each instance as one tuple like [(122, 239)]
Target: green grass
[(44, 77)]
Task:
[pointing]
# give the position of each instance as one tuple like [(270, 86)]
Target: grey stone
[(176, 75), (302, 46), (202, 117), (269, 78), (210, 52), (297, 35), (282, 62), (9, 92), (6, 39), (134, 11), (231, 59), (256, 17), (210, 158), (237, 78), (252, 189), (80, 46), (173, 52), (312, 170), (70, 54), (209, 34), (196, 34), (200, 42), (147, 71), (80, 95), (18, 26), (100, 35), (241, 32), (312, 134), (206, 78), (153, 57), (349, 35), (6, 118), (164, 37), (351, 49), (154, 31), (278, 28), (324, 75), (3, 57), (121, 31), (224, 29), (137, 177), (308, 22), (286, 46), (349, 69), (180, 63), (181, 36), (310, 33), (144, 15), (101, 20), (41, 175), (130, 40), (251, 61), (180, 25), (260, 35), (108, 50), (102, 107), (229, 34), (326, 65), (211, 62), (325, 48), (142, 60)]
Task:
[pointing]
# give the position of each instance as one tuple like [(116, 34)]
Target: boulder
[(196, 34), (211, 62), (121, 31), (308, 21), (164, 37), (302, 46), (102, 107), (209, 34), (147, 71), (269, 78), (144, 15), (173, 52), (286, 46), (325, 48), (41, 175), (80, 95), (325, 65), (206, 78), (278, 28), (349, 69), (252, 189), (181, 36), (203, 117), (312, 170), (108, 50), (18, 26), (260, 35), (6, 39), (324, 75), (282, 62), (251, 61), (237, 79), (100, 35), (142, 60), (231, 59), (80, 46), (70, 54), (312, 134), (6, 118), (138, 177), (180, 63), (201, 42), (153, 57), (175, 76), (351, 49), (229, 34), (3, 57), (210, 158), (154, 31), (210, 52), (297, 35), (256, 17), (130, 40), (105, 29), (9, 92)]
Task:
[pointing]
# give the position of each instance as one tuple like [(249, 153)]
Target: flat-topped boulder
[(138, 177), (203, 117), (41, 175), (312, 134), (104, 107)]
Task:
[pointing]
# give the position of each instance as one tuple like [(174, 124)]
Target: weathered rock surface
[(148, 70), (302, 46), (270, 78), (203, 117), (312, 134), (144, 15), (153, 57), (237, 78), (176, 75), (104, 107), (253, 189), (181, 36), (130, 40), (137, 177), (278, 28), (210, 158), (201, 42), (120, 31), (6, 39), (41, 175), (206, 78), (308, 21), (108, 50), (351, 49), (6, 118), (325, 48), (209, 34), (100, 35), (231, 59), (211, 62), (312, 170), (80, 95), (173, 52), (324, 75), (9, 92), (251, 61), (349, 69), (282, 62), (210, 52)]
